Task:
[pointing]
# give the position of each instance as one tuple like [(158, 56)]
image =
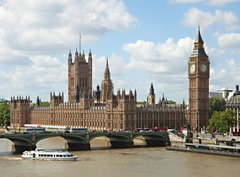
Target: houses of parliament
[(103, 109)]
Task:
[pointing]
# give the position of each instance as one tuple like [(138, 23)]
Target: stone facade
[(97, 110), (198, 76), (79, 76), (234, 104)]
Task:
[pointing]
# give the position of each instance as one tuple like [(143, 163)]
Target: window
[(72, 81)]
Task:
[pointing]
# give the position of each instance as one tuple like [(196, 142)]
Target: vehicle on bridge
[(47, 128), (33, 130), (78, 130)]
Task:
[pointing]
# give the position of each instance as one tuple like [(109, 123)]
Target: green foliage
[(170, 102), (216, 104), (141, 102), (44, 104), (222, 120), (4, 114)]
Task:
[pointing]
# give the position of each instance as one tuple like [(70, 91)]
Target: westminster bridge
[(81, 141)]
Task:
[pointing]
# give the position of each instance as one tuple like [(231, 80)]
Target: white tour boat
[(47, 154)]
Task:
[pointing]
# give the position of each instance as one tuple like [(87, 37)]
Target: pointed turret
[(76, 55), (199, 37), (90, 57), (69, 56), (135, 95), (151, 96), (107, 85), (198, 49), (107, 72), (163, 99), (151, 90), (83, 57), (90, 53), (38, 101)]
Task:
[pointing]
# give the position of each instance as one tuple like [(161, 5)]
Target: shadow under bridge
[(151, 139)]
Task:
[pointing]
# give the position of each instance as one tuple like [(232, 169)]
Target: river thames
[(139, 162)]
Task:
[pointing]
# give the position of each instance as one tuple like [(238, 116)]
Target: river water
[(139, 162)]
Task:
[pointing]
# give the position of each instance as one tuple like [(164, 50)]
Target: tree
[(4, 114), (44, 104), (170, 102), (222, 120), (216, 104)]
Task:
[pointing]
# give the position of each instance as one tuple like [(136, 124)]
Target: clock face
[(203, 68), (192, 68)]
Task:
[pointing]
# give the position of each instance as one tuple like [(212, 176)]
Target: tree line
[(221, 119), (4, 115)]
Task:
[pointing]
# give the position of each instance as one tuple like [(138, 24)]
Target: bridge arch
[(57, 142), (100, 142), (6, 145), (139, 141), (151, 138), (117, 140)]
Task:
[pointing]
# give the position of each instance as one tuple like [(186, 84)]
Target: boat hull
[(203, 151), (74, 158), (49, 155)]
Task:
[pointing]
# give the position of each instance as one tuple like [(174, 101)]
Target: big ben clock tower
[(198, 76)]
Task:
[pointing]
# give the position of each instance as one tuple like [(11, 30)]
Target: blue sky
[(145, 41)]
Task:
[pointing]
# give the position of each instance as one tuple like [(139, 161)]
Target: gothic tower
[(20, 111), (151, 96), (198, 76), (79, 76), (107, 85)]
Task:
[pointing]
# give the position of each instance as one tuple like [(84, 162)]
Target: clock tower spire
[(198, 76)]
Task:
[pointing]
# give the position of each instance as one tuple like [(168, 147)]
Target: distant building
[(215, 95), (221, 93), (234, 104)]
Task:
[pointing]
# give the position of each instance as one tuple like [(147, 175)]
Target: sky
[(145, 42)]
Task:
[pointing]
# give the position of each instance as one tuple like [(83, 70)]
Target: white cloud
[(225, 76), (35, 34), (195, 16), (221, 2), (229, 40), (185, 1), (38, 26), (164, 64), (210, 2), (45, 61), (159, 58)]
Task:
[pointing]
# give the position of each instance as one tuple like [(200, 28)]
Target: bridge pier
[(155, 143), (19, 148), (78, 146), (121, 144)]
